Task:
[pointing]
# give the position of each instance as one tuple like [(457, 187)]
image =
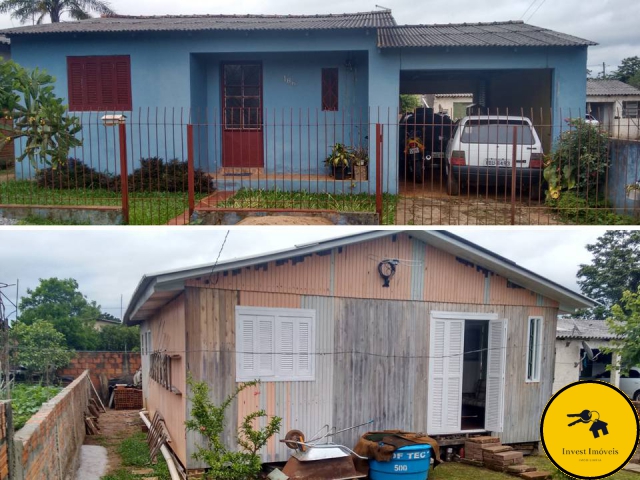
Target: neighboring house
[(273, 93), (333, 345), (102, 322), (453, 104), (616, 105), (571, 361)]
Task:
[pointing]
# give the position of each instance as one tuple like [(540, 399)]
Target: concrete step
[(484, 439), (536, 475), (517, 469), (496, 448)]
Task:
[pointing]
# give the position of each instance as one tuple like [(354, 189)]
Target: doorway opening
[(474, 374)]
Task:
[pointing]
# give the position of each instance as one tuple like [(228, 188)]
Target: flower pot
[(340, 173), (361, 172), (633, 195)]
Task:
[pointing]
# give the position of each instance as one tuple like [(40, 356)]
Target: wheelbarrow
[(320, 458)]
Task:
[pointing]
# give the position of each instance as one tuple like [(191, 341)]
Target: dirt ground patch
[(285, 220), (469, 211), (115, 426)]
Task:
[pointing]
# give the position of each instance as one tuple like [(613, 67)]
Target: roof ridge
[(237, 15), (466, 24)]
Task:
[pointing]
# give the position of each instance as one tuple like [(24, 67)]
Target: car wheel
[(535, 192), (418, 171), (636, 396), (453, 188)]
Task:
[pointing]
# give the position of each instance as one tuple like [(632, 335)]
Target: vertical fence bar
[(379, 147), (514, 157), (124, 175), (191, 183)]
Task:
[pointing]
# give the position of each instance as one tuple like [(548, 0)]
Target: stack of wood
[(92, 414), (501, 457), (157, 435)]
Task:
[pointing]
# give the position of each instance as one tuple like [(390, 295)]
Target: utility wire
[(528, 8), (534, 12), (219, 253)]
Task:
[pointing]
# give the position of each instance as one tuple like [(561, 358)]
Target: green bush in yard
[(26, 400), (154, 174), (209, 420), (70, 174)]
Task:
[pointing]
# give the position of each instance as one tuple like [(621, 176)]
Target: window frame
[(83, 105), (308, 315), (636, 108), (533, 376), (328, 106)]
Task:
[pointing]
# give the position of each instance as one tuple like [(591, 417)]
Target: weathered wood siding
[(372, 363), (168, 335)]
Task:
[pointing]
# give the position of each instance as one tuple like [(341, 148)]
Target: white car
[(629, 384), (480, 152), (591, 120)]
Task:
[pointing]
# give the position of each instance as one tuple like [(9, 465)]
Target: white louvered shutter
[(445, 376), (245, 336), (286, 347), (496, 364), (265, 344), (304, 348)]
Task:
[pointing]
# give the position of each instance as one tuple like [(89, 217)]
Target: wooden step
[(484, 439), (536, 475), (496, 448)]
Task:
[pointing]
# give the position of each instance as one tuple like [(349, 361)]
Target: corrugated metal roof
[(606, 88), (580, 328), (497, 34), (121, 23)]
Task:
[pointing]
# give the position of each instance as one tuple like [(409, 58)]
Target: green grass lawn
[(145, 208), (26, 400), (134, 453), (459, 471), (360, 202)]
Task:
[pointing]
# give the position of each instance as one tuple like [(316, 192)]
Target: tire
[(418, 171), (636, 396), (453, 188), (535, 192)]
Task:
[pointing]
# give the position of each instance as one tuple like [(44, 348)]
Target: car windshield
[(497, 131)]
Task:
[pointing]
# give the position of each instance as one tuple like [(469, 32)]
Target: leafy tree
[(27, 10), (615, 268), (209, 419), (627, 69), (625, 322), (37, 115), (408, 103), (634, 81), (59, 302), (40, 349), (118, 338)]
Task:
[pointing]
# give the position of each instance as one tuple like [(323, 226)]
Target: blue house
[(271, 94)]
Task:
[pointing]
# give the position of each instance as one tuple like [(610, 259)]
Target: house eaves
[(156, 290)]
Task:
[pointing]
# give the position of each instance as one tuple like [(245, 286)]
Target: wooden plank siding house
[(460, 341)]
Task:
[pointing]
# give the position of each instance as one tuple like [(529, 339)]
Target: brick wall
[(49, 444), (6, 432), (108, 365)]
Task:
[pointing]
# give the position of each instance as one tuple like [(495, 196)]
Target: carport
[(510, 67)]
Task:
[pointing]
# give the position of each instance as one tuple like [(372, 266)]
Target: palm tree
[(25, 10)]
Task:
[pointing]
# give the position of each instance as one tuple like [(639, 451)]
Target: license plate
[(414, 150), (437, 155), (500, 162)]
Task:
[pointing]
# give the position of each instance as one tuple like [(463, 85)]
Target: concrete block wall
[(49, 444), (6, 433)]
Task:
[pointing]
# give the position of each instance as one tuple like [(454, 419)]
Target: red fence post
[(190, 170), (124, 174), (514, 157), (379, 149)]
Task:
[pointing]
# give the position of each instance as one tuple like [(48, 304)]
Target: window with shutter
[(101, 83), (330, 89), (534, 349), (274, 344)]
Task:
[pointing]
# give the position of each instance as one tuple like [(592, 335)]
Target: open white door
[(445, 376), (496, 363)]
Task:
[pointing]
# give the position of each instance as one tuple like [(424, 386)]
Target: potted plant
[(360, 164), (633, 191), (339, 161)]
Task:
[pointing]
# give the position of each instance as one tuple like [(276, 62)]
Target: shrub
[(71, 174), (26, 400), (574, 209), (154, 174), (580, 161), (209, 420)]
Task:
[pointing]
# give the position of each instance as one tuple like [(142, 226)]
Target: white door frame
[(445, 315)]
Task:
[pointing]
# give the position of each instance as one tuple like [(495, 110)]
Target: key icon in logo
[(589, 416)]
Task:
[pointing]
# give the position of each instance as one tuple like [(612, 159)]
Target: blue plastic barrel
[(408, 463)]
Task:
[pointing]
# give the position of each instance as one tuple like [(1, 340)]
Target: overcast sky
[(611, 23), (108, 263)]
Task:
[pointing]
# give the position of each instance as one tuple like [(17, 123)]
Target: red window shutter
[(330, 89), (101, 83), (75, 74)]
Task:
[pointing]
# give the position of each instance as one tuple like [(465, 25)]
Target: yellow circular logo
[(589, 429)]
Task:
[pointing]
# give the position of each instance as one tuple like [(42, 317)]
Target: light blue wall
[(178, 73)]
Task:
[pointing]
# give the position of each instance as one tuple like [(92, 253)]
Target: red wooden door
[(242, 115)]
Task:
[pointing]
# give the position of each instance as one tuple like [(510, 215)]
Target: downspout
[(173, 471)]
